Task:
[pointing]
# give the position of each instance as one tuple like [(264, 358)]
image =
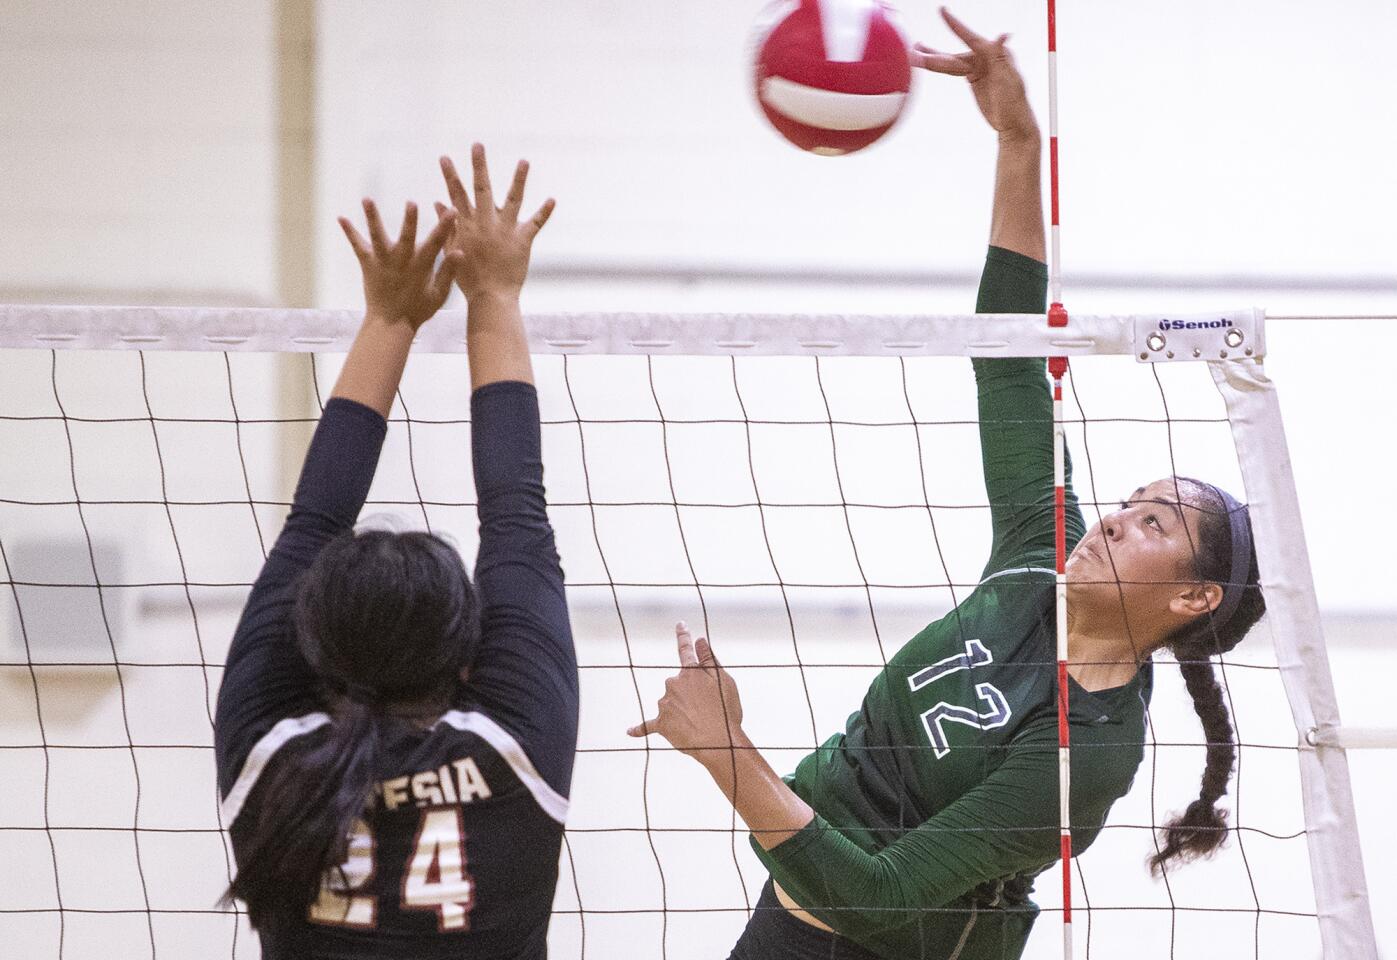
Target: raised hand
[(701, 710), (995, 81), (490, 247), (402, 283)]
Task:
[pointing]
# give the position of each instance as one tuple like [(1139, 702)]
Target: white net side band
[(1336, 859), (677, 334)]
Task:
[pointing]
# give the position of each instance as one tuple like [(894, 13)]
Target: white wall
[(1216, 151), (1197, 138), (137, 159)]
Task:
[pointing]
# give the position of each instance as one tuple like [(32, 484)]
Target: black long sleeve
[(266, 679), (526, 672)]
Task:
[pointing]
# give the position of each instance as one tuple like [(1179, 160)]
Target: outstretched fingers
[(440, 286), (408, 234), (706, 657), (454, 187), (688, 657), (967, 36), (446, 221), (453, 256), (644, 728), (376, 233), (441, 283), (514, 200), (953, 64), (537, 221), (484, 195), (356, 240)]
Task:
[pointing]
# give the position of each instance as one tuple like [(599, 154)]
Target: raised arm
[(1017, 223), (1016, 428), (491, 258), (526, 672), (402, 290), (266, 679), (1016, 439)]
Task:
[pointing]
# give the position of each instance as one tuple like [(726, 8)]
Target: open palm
[(401, 279), (489, 249)]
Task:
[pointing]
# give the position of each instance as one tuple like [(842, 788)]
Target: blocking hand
[(490, 248), (401, 280)]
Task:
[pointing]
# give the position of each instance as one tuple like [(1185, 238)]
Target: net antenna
[(1057, 369)]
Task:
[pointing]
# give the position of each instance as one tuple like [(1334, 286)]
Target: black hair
[(387, 621), (1202, 827)]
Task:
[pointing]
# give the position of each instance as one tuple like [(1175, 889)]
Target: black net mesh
[(808, 515)]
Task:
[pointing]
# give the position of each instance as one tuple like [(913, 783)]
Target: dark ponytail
[(1225, 527), (305, 810), (387, 621)]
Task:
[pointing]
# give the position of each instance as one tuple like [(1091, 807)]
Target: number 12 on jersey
[(997, 714), (435, 877)]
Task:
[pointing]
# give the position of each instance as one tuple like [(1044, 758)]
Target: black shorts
[(773, 934)]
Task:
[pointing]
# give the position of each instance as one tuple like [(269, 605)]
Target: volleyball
[(832, 76)]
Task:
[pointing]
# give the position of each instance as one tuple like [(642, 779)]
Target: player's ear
[(1194, 600)]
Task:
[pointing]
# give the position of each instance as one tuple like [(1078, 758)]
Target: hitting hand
[(989, 66)]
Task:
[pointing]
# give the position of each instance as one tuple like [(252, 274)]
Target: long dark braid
[(1202, 827)]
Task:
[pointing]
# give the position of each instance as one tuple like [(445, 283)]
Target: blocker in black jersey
[(457, 852)]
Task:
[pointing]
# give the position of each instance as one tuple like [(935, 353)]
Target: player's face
[(1142, 553)]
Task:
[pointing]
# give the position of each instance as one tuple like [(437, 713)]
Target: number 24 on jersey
[(435, 879)]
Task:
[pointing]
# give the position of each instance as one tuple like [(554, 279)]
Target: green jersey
[(938, 804)]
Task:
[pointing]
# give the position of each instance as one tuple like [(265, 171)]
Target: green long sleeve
[(1003, 826), (1016, 426)]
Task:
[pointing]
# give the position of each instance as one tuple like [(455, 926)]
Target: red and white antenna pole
[(1057, 316), (1057, 369)]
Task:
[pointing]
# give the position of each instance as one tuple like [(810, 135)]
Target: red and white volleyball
[(831, 75)]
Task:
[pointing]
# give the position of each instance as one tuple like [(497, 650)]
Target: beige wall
[(137, 160)]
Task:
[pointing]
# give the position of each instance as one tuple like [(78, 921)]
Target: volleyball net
[(806, 490)]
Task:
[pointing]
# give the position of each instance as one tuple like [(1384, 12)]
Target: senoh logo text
[(1194, 324)]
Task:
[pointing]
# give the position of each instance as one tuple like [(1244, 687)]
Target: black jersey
[(457, 852)]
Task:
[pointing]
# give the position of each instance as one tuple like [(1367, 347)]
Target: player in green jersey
[(917, 831)]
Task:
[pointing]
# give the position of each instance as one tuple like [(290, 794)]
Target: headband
[(1240, 523)]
